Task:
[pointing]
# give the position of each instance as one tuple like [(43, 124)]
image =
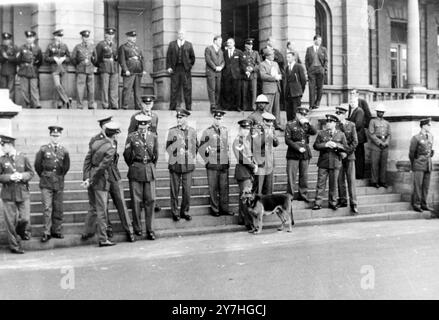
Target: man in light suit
[(316, 61), (232, 76), (295, 81), (180, 58), (271, 76), (214, 65)]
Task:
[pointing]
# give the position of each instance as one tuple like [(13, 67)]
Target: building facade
[(386, 48)]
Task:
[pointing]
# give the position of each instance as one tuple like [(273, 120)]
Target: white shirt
[(231, 52), (291, 66), (316, 48), (180, 42)]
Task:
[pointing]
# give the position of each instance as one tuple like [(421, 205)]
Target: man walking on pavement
[(52, 163)]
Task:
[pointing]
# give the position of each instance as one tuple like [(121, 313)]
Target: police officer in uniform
[(106, 52), (58, 56), (52, 163), (347, 169), (141, 155), (297, 134), (29, 59), (84, 58), (251, 61), (133, 67), (420, 154), (264, 142), (380, 135), (97, 165), (214, 149), (261, 104), (8, 63), (332, 146), (245, 168), (182, 148), (15, 174)]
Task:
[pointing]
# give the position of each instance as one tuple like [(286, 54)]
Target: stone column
[(200, 20), (413, 47)]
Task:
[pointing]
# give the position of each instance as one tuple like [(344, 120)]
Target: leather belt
[(143, 161)]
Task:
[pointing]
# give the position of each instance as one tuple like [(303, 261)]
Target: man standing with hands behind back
[(180, 58), (316, 61)]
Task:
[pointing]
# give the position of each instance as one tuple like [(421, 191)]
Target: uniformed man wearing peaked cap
[(297, 133), (52, 162), (58, 56), (15, 174), (420, 154), (251, 61), (146, 109), (182, 148), (133, 67), (141, 156), (347, 169), (29, 59), (331, 143), (107, 57), (380, 135), (245, 168), (8, 64), (84, 58), (214, 149)]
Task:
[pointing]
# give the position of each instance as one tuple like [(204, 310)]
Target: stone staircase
[(30, 129)]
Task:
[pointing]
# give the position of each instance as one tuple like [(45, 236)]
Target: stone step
[(197, 200)]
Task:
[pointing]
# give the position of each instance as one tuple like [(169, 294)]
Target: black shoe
[(426, 208), (376, 185), (38, 107), (316, 207), (59, 107), (25, 237), (186, 217), (354, 210), (417, 209), (45, 238), (384, 185), (300, 198), (86, 236), (215, 214), (17, 251), (107, 243), (150, 235), (175, 218), (131, 237), (157, 208), (110, 233), (342, 204), (333, 207), (57, 235), (138, 233)]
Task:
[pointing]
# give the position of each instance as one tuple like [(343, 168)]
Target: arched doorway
[(324, 28)]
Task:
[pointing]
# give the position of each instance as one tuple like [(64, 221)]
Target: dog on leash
[(259, 206)]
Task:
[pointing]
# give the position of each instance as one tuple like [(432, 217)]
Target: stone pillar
[(355, 44), (201, 21), (413, 48), (271, 16)]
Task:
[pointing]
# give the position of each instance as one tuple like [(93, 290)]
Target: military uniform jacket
[(256, 117), (243, 153), (57, 50), (141, 155), (97, 163), (251, 61), (86, 170), (154, 121), (15, 191), (9, 64), (379, 132), (29, 58), (421, 151), (131, 58), (350, 133), (84, 58), (263, 143), (217, 156), (52, 166), (330, 158), (106, 60), (182, 148), (296, 137)]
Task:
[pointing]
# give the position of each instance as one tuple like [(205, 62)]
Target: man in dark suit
[(232, 76), (179, 61), (295, 82), (316, 61), (356, 115), (214, 57)]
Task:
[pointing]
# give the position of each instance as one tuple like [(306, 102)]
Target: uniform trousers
[(117, 195), (131, 83), (294, 167), (30, 92), (84, 80), (8, 82), (218, 181), (421, 184), (264, 183), (59, 81), (17, 219), (143, 193), (347, 173), (249, 93), (185, 179), (243, 214), (379, 164), (322, 177), (53, 210), (109, 90)]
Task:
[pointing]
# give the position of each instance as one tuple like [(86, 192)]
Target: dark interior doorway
[(240, 20)]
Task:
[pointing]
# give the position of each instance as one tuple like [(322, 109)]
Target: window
[(324, 28), (398, 54)]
